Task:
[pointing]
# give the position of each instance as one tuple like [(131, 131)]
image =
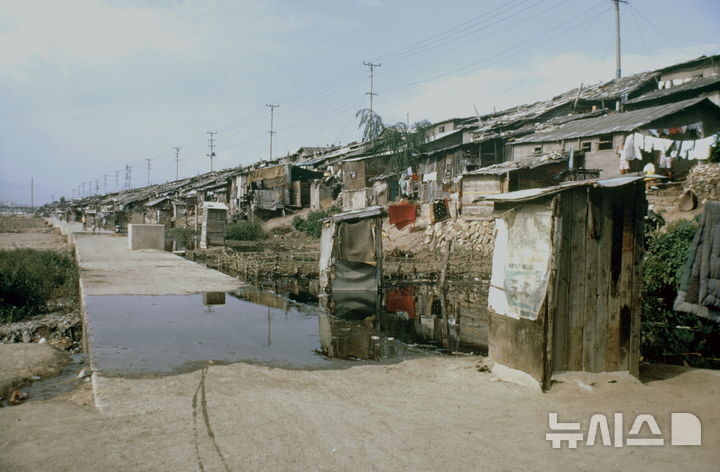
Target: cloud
[(37, 34)]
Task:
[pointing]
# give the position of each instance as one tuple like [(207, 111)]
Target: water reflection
[(138, 335)]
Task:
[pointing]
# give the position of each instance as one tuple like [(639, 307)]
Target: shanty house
[(600, 138), (277, 187), (565, 285), (532, 172), (160, 211)]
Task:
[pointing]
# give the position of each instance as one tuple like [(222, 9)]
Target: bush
[(244, 231), (184, 236), (281, 230), (668, 335), (312, 225), (31, 279)]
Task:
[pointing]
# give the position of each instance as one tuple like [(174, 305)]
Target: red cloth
[(401, 300), (401, 215)]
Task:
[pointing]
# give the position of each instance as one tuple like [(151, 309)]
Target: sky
[(88, 87)]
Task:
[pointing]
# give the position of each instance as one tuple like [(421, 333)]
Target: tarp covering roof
[(614, 123)]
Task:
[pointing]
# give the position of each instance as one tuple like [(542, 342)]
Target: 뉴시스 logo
[(685, 430)]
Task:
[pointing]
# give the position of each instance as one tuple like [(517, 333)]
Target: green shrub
[(280, 230), (31, 279), (312, 225), (668, 335), (244, 231), (184, 236)]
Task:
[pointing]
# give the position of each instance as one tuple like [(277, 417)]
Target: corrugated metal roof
[(214, 206), (529, 163), (610, 91), (670, 91), (361, 213), (533, 193), (614, 123)]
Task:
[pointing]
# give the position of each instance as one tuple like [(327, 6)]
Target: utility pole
[(117, 180), (128, 177), (83, 190), (371, 93), (97, 186), (211, 143), (177, 161), (148, 160), (618, 73), (272, 112), (32, 193), (105, 183)]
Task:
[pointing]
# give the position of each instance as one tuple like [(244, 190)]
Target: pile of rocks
[(471, 235), (62, 330), (704, 181)]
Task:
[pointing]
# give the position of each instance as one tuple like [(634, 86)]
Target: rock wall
[(704, 181), (472, 241)]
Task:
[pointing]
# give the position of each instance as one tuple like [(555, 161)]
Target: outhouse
[(351, 251), (565, 286), (213, 224)]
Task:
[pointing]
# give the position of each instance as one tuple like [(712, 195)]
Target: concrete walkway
[(108, 267)]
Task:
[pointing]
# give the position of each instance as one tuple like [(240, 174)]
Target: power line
[(504, 54)]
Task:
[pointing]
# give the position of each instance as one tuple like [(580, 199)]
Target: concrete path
[(108, 267)]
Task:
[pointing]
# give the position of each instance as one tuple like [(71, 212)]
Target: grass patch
[(281, 230), (312, 225), (31, 281), (245, 231), (185, 237)]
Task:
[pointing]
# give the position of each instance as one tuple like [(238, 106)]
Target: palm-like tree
[(400, 141)]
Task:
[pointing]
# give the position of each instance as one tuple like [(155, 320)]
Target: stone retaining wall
[(474, 235)]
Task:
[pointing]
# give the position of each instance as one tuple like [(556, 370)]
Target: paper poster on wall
[(521, 262)]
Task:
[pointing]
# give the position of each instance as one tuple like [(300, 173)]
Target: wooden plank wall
[(597, 318)]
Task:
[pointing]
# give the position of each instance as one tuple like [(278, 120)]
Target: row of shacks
[(573, 136)]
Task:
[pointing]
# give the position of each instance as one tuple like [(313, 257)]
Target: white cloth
[(629, 150), (701, 149)]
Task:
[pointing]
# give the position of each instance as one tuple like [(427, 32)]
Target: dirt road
[(425, 414)]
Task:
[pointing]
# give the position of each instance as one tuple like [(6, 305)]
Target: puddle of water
[(47, 388), (158, 335)]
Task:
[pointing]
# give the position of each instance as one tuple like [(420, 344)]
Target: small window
[(606, 142), (441, 129), (538, 150), (587, 147)]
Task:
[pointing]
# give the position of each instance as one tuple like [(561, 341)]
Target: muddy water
[(160, 335)]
